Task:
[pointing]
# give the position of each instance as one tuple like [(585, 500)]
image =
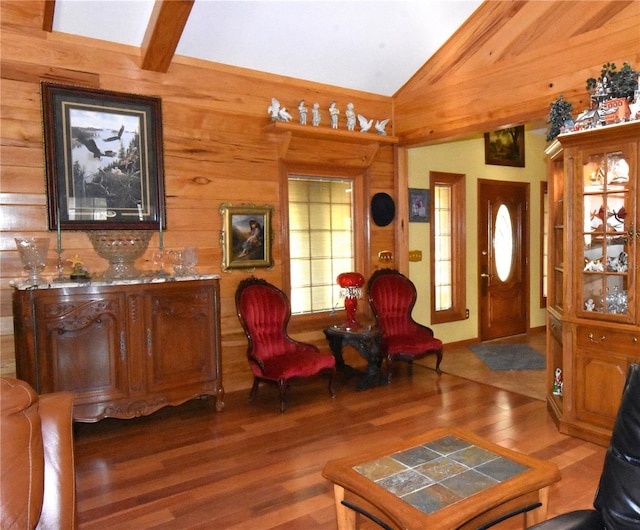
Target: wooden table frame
[(525, 489)]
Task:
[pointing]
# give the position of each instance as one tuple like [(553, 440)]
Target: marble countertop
[(49, 283)]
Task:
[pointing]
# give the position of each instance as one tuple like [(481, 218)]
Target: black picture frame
[(246, 236), (419, 204), (505, 147), (104, 159)]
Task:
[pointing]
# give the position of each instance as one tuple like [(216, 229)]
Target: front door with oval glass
[(503, 254)]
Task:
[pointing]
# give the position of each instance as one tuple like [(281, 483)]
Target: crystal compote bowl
[(120, 248), (33, 253)]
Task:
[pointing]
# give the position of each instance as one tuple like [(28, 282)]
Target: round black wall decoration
[(383, 209)]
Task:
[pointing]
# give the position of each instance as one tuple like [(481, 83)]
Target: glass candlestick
[(60, 268), (158, 261)]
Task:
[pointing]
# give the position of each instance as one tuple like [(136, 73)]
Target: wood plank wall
[(215, 151)]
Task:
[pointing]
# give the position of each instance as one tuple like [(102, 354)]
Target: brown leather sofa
[(37, 482)]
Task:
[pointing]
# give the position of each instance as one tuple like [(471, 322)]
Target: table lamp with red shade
[(351, 288)]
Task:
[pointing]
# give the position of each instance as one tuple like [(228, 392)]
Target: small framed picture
[(418, 205), (505, 147), (104, 159), (246, 236)]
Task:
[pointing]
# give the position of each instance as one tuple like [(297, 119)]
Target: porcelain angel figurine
[(351, 117), (334, 112), (315, 115), (303, 112)]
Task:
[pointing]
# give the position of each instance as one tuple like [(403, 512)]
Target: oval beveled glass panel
[(503, 243)]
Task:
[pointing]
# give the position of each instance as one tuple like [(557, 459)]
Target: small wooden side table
[(447, 479), (366, 340)]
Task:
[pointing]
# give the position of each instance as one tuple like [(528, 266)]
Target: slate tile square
[(415, 456), (379, 468), (469, 483), (441, 469), (432, 498), (404, 482), (473, 456), (502, 469), (447, 445)]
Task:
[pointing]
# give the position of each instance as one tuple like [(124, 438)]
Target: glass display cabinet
[(592, 326)]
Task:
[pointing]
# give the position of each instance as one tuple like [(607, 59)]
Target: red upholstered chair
[(392, 297), (264, 312)]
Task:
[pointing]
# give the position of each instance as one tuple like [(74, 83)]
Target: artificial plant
[(559, 115), (619, 83)]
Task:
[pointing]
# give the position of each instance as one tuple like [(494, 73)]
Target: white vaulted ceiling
[(369, 45)]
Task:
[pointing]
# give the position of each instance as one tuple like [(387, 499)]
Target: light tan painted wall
[(467, 157)]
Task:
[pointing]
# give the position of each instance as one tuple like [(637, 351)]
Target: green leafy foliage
[(618, 83), (559, 114)]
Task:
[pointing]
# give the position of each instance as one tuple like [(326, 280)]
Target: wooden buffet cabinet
[(593, 331), (125, 349)]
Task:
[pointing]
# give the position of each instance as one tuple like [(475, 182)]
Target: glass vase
[(33, 253)]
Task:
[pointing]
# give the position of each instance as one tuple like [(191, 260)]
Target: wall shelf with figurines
[(326, 145), (301, 144), (358, 128), (329, 133)]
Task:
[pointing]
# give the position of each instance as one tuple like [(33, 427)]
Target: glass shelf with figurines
[(606, 239)]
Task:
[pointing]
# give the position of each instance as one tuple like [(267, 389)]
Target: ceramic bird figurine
[(273, 109), (365, 124), (380, 125), (283, 115)]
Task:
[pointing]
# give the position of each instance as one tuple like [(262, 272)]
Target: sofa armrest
[(21, 454), (59, 505)]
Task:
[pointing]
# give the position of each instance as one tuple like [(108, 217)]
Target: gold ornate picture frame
[(246, 236)]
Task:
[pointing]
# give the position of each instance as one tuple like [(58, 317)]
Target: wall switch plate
[(415, 255), (385, 256)]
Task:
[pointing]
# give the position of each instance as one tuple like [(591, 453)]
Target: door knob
[(485, 275)]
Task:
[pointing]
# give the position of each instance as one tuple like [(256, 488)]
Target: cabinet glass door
[(607, 235)]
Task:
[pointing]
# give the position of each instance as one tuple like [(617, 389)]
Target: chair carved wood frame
[(274, 357), (392, 297)]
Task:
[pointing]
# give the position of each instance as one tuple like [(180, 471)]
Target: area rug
[(509, 357)]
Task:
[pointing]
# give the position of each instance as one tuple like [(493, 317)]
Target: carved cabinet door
[(180, 336), (82, 345)]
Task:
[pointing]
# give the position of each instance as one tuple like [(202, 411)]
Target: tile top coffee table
[(445, 479)]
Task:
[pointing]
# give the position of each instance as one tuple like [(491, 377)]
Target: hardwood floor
[(250, 467), (461, 361)]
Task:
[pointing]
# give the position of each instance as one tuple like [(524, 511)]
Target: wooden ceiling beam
[(47, 19), (166, 25)]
